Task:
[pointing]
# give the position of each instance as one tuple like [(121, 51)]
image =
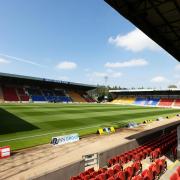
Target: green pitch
[(26, 125)]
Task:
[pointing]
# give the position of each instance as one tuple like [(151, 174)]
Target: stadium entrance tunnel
[(9, 123)]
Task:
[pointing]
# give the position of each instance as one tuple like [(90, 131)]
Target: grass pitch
[(26, 125)]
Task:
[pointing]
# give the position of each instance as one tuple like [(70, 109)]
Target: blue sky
[(80, 41)]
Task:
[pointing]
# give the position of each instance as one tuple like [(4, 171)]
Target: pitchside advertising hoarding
[(5, 152), (59, 140)]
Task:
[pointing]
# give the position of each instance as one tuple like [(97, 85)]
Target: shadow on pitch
[(9, 123)]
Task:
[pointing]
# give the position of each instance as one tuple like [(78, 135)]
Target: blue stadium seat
[(38, 98), (152, 101), (140, 101)]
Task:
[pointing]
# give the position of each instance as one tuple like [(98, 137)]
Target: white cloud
[(130, 63), (135, 41), (159, 79), (67, 65), (4, 61)]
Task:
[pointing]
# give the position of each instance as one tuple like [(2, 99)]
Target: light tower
[(105, 80)]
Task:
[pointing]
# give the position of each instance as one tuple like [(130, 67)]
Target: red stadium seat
[(111, 162), (178, 170), (120, 175), (174, 176), (166, 102), (137, 167), (94, 174), (101, 177), (90, 170), (109, 173), (10, 94), (117, 168), (147, 174), (111, 178), (162, 164), (137, 178), (177, 102), (154, 155), (87, 177), (129, 172), (138, 157), (102, 170), (123, 159), (155, 168)]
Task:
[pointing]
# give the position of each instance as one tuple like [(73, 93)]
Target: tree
[(172, 86)]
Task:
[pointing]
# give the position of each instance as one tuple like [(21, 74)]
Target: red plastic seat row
[(161, 145), (115, 172), (166, 102), (85, 174), (154, 148), (10, 94), (177, 102), (153, 172)]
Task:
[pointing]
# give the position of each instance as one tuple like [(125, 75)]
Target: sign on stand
[(91, 159)]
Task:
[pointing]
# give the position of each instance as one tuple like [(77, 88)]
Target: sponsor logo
[(64, 139)]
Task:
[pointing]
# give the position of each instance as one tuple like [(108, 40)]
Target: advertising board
[(59, 140)]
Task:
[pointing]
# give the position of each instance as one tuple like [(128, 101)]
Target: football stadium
[(61, 130)]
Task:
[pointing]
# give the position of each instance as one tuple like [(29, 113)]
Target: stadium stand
[(124, 100), (118, 167), (35, 94), (22, 95), (49, 95), (55, 96), (152, 101), (60, 96), (88, 98), (161, 102), (140, 101), (1, 95), (38, 95), (76, 97), (10, 94), (24, 89), (166, 102), (147, 97), (177, 102)]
